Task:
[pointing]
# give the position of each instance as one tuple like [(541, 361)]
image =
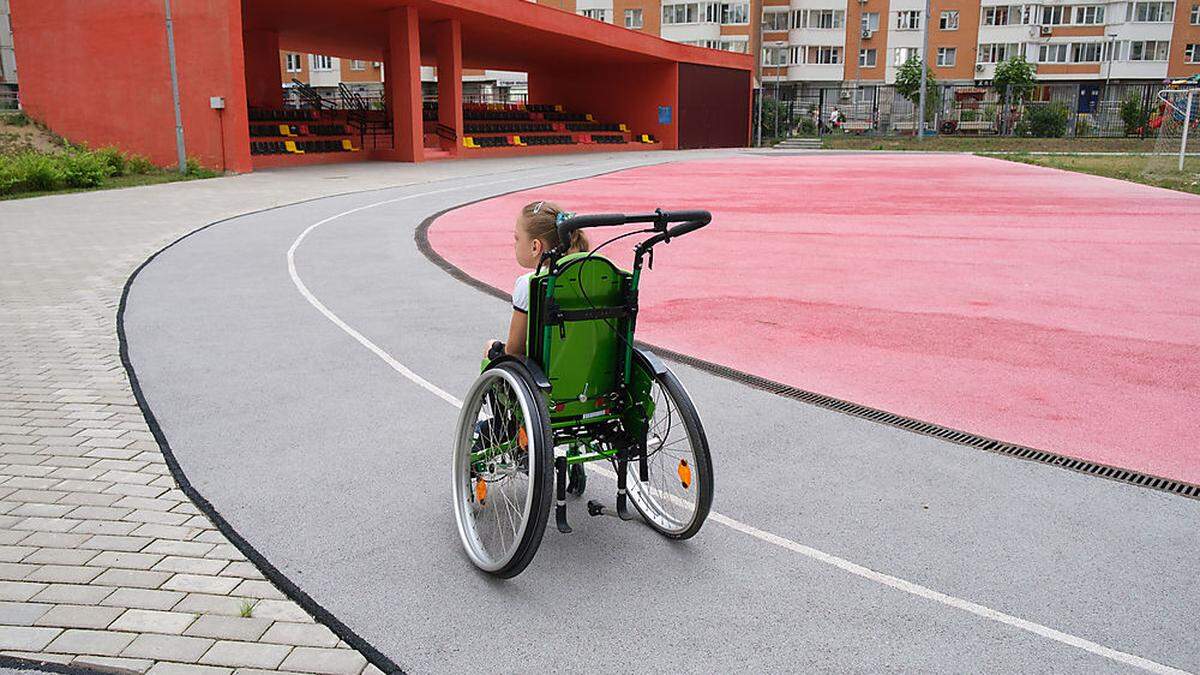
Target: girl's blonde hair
[(540, 220)]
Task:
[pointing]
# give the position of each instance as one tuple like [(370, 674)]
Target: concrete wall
[(97, 72)]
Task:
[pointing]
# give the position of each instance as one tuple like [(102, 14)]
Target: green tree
[(908, 83), (1134, 114), (1014, 78)]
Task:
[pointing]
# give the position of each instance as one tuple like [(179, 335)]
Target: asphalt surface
[(336, 468)]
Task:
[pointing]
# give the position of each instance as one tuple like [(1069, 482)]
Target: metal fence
[(805, 109)]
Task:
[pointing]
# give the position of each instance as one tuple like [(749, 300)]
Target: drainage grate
[(855, 409)]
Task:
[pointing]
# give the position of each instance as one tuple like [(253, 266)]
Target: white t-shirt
[(521, 293)]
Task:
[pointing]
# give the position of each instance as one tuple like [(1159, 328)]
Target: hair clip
[(562, 217), (538, 206)]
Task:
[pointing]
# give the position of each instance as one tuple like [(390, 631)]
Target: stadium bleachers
[(297, 132)]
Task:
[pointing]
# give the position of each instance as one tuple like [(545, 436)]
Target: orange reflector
[(559, 407), (599, 403), (522, 438), (480, 490), (685, 474)]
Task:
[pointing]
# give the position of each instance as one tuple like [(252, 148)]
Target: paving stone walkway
[(103, 560)]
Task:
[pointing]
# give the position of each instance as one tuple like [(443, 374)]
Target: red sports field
[(1052, 309)]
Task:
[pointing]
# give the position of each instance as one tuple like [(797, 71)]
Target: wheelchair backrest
[(579, 330)]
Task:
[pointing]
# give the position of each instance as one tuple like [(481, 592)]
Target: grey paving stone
[(245, 654), (80, 641), (54, 540), (241, 569), (126, 560), (174, 547), (43, 510), (132, 578), (212, 537), (165, 531), (229, 628), (153, 621), (300, 635), (191, 565), (12, 536), (281, 610), (26, 638), (160, 517), (66, 574), (185, 669), (141, 598), (202, 603), (149, 491), (106, 542), (17, 571), (72, 594), (12, 553), (79, 616), (47, 524), (193, 583), (114, 527), (114, 663), (100, 512), (326, 661), (60, 556), (22, 613), (168, 647), (226, 552), (258, 589)]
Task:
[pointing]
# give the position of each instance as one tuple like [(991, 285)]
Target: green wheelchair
[(583, 393)]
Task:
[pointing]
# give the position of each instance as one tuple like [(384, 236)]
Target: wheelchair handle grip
[(690, 226), (660, 219)]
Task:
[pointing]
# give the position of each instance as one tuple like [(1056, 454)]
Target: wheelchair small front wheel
[(676, 499), (503, 470)]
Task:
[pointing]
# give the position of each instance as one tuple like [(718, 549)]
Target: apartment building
[(8, 58), (845, 42)]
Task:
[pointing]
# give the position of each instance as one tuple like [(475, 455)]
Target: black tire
[(514, 402), (677, 524)]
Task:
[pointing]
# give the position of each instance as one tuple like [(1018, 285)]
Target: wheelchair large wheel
[(678, 495), (503, 470)]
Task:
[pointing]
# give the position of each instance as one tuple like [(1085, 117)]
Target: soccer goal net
[(1175, 120)]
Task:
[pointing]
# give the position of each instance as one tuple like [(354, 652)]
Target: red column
[(402, 84), (448, 48), (264, 84)]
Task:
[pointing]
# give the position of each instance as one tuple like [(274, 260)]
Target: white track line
[(762, 535)]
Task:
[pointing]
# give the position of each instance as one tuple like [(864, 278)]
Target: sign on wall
[(664, 114)]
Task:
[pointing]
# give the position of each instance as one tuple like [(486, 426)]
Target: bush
[(118, 163), (1133, 114), (37, 172), (195, 170), (83, 169), (138, 164), (10, 180), (1044, 121), (808, 127), (968, 115), (17, 119)]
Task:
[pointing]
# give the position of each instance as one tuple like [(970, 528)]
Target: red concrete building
[(98, 72)]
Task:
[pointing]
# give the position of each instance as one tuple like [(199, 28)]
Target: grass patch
[(246, 609), (1158, 171), (983, 144), (30, 173)]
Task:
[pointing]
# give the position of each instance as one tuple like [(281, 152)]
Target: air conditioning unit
[(867, 33), (979, 67), (846, 94), (377, 64), (1047, 30)]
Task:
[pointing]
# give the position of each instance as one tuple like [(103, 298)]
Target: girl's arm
[(515, 345)]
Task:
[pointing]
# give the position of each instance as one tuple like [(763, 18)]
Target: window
[(358, 65), (1056, 15), (1191, 54), (1148, 50), (870, 21), (1089, 14), (820, 18), (776, 55), (775, 20), (908, 20), (681, 13), (739, 46), (736, 13), (995, 16), (902, 54), (825, 55), (1195, 16), (597, 14), (947, 57), (948, 21), (1052, 53), (1151, 12), (633, 18), (1086, 52), (995, 53), (320, 62), (293, 63), (866, 58)]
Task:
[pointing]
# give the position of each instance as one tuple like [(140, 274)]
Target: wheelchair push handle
[(692, 220)]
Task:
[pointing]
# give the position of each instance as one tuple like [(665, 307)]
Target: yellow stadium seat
[(347, 145), (284, 130), (624, 128), (291, 147), (516, 140), (558, 108), (590, 118), (469, 142)]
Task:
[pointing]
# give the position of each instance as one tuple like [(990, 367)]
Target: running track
[(303, 363), (1050, 309)]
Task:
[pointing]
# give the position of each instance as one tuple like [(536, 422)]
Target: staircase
[(799, 143)]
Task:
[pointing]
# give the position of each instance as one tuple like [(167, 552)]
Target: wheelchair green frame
[(580, 354)]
